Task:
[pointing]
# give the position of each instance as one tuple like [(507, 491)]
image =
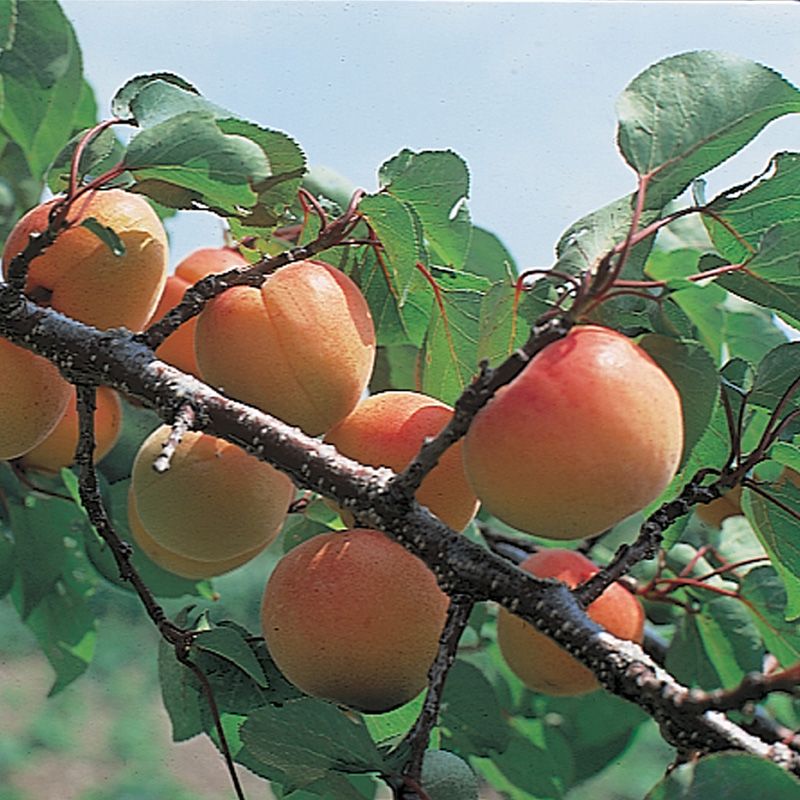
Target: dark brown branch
[(649, 539), (418, 737), (754, 686), (473, 399), (461, 566)]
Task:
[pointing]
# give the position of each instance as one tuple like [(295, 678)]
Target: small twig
[(475, 397), (754, 686), (649, 539), (184, 422), (418, 737), (212, 704)]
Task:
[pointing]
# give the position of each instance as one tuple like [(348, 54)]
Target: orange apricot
[(58, 449), (33, 396), (388, 429), (191, 568), (214, 503), (537, 660), (590, 432), (353, 617), (178, 348), (301, 347), (79, 274)]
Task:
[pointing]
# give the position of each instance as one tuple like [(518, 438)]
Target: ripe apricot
[(214, 503), (353, 617), (588, 433), (33, 396), (178, 349), (79, 274), (537, 660), (728, 505), (191, 568), (387, 430), (301, 347), (58, 449)]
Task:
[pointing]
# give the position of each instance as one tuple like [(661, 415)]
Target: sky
[(524, 92)]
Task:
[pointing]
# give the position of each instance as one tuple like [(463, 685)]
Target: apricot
[(214, 503), (79, 274), (538, 661), (590, 432), (33, 396), (353, 617), (58, 449), (388, 429), (191, 568), (178, 349), (728, 505), (301, 347)]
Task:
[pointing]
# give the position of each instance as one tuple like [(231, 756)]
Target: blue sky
[(525, 92)]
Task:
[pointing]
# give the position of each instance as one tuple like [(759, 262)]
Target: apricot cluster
[(85, 278)]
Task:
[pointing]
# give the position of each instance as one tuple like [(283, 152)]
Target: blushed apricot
[(388, 429), (79, 274), (58, 449), (590, 432), (178, 349), (301, 347), (536, 659), (214, 503), (190, 568), (353, 617), (33, 396)]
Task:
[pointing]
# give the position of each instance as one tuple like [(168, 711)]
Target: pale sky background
[(525, 92)]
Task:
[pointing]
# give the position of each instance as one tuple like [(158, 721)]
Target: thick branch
[(460, 565)]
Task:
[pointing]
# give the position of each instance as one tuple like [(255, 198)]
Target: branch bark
[(115, 358)]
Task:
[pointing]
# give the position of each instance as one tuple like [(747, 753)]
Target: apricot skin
[(80, 276), (537, 660), (590, 432), (58, 449), (355, 618), (33, 396), (190, 568), (214, 503), (301, 347), (178, 349), (388, 429)]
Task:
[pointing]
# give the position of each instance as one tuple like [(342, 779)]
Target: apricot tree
[(705, 293)]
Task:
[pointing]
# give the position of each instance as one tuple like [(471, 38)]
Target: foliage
[(443, 295)]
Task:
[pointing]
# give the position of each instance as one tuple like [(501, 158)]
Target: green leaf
[(500, 328), (180, 693), (488, 256), (734, 776), (8, 15), (140, 97), (305, 738), (105, 234), (385, 728), (763, 589), (7, 560), (230, 645), (583, 245), (190, 151), (394, 225), (436, 185), (471, 715), (777, 260), (688, 113), (690, 367), (42, 82), (776, 528), (287, 164), (751, 213), (103, 151), (778, 370), (781, 299), (449, 359)]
